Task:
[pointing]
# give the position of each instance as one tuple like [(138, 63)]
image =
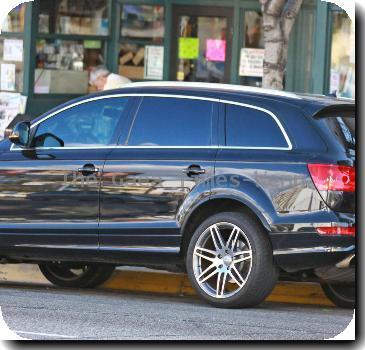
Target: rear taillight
[(336, 231), (330, 177)]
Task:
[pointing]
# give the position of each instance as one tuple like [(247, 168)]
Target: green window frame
[(35, 35)]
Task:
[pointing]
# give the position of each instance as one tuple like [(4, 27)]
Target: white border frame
[(272, 115)]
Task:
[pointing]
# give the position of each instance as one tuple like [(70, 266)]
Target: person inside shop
[(102, 79)]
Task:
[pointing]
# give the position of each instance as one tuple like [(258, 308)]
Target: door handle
[(88, 169), (194, 170)]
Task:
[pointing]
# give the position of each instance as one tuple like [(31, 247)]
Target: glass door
[(202, 41)]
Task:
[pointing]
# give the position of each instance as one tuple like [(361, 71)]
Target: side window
[(89, 124), (172, 122), (248, 127)]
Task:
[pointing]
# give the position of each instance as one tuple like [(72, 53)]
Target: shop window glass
[(143, 22), (85, 17), (202, 49), (252, 49), (11, 63), (141, 50), (63, 66), (342, 78), (14, 22), (131, 61)]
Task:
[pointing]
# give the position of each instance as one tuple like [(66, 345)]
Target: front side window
[(172, 122), (248, 127), (89, 124)]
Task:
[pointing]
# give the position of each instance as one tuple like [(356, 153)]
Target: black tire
[(342, 295), (263, 273), (88, 276)]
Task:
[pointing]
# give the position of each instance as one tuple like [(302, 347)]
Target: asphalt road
[(43, 313)]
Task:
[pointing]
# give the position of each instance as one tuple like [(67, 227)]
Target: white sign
[(153, 63), (11, 104), (7, 78), (252, 62), (13, 50)]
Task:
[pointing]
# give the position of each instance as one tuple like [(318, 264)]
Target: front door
[(201, 44), (50, 193)]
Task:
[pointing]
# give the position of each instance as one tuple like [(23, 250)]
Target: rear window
[(343, 128), (252, 128)]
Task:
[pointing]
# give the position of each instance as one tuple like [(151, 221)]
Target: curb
[(176, 284), (179, 285)]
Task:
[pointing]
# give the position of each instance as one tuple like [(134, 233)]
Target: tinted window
[(343, 129), (172, 122), (247, 127), (91, 123)]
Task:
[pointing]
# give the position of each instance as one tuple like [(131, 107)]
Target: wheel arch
[(213, 206)]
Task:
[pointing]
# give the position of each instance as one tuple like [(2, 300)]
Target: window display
[(342, 77), (202, 49), (143, 31), (143, 22), (85, 17), (11, 65), (62, 66), (15, 20), (131, 61), (252, 52)]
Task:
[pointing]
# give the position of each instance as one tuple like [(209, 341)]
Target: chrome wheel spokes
[(222, 260)]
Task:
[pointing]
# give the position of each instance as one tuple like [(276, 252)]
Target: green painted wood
[(168, 41), (236, 43), (321, 51), (112, 56), (31, 30)]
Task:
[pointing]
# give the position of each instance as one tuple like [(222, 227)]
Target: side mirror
[(21, 134)]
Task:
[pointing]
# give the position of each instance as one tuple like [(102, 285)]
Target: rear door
[(167, 155)]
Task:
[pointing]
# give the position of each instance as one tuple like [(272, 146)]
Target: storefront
[(48, 48)]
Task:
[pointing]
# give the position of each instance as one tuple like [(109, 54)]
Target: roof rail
[(213, 86)]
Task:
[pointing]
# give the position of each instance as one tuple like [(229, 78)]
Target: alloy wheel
[(222, 260)]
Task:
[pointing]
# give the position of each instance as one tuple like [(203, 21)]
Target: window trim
[(282, 130), (216, 100)]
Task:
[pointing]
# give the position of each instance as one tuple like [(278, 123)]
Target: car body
[(171, 156)]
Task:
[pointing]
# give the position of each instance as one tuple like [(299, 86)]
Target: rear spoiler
[(346, 109)]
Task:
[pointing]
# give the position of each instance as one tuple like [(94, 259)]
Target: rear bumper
[(297, 245), (303, 251)]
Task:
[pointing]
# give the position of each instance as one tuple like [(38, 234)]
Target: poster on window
[(216, 50), (11, 104), (188, 48), (7, 77), (153, 63), (13, 50), (252, 62)]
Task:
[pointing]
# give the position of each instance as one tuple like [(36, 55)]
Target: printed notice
[(188, 48), (252, 62), (153, 63), (13, 50), (7, 79)]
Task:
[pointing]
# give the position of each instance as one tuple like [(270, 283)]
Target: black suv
[(232, 184)]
